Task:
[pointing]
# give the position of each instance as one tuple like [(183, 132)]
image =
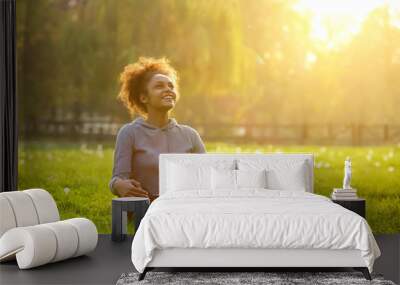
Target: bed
[(247, 210)]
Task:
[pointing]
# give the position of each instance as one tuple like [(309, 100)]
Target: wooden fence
[(255, 133)]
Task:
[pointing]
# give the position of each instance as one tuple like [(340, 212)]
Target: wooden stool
[(120, 207)]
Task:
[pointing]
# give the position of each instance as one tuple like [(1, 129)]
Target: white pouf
[(31, 232)]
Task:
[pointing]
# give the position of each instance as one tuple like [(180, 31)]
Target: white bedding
[(250, 218)]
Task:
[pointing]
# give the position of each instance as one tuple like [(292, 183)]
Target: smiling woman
[(149, 88), (148, 74)]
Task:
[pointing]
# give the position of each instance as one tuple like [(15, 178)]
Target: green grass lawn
[(77, 176)]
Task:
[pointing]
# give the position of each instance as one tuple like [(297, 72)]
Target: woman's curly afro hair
[(135, 77)]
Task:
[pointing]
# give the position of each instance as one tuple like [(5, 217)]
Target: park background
[(256, 76)]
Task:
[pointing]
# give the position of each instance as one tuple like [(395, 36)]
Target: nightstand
[(357, 205)]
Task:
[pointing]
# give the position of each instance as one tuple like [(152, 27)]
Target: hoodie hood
[(140, 121)]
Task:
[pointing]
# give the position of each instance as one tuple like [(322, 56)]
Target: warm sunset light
[(147, 139), (335, 22)]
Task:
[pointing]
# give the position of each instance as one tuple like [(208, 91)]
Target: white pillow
[(193, 174), (229, 179), (181, 177), (251, 178), (282, 174), (223, 179), (287, 179)]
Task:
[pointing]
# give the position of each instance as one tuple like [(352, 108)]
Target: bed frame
[(260, 258), (241, 258)]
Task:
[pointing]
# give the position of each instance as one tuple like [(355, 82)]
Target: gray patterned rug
[(228, 278)]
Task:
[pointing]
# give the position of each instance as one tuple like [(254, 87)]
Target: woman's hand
[(129, 188), (152, 197)]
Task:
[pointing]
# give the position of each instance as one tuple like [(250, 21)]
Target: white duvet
[(252, 218)]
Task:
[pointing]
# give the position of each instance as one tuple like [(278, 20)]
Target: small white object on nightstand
[(347, 174)]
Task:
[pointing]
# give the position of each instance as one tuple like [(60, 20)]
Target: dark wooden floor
[(110, 260)]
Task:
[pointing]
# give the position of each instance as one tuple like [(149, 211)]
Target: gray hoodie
[(139, 144)]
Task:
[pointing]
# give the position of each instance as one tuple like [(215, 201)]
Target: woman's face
[(161, 93)]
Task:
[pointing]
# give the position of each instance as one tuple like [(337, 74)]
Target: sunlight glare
[(335, 22), (311, 58)]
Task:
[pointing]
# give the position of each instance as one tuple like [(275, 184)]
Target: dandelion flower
[(66, 190), (83, 146), (377, 164), (99, 150), (390, 169)]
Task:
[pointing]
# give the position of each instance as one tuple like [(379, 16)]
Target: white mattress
[(251, 219)]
